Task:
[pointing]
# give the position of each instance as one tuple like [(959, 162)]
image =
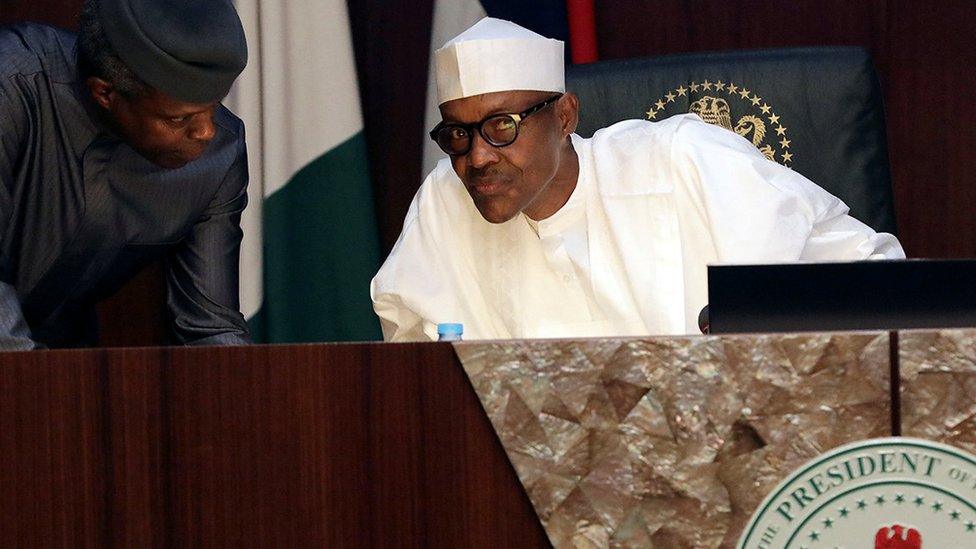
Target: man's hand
[(897, 537)]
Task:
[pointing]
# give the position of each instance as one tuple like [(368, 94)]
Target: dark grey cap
[(191, 50)]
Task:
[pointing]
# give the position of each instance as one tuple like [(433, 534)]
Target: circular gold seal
[(889, 493), (720, 103)]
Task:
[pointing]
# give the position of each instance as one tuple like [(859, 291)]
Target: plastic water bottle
[(450, 331)]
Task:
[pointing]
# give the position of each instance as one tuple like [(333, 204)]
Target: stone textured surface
[(938, 389), (672, 442)]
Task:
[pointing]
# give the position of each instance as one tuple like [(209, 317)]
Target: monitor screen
[(859, 295)]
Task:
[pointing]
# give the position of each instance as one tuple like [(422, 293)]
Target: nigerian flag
[(310, 238)]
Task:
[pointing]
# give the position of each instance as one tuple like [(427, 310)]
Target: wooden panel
[(136, 315), (931, 116), (636, 28), (54, 474), (330, 446)]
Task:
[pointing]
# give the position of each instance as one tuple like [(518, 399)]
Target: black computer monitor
[(859, 295)]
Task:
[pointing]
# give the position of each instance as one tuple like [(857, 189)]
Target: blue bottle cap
[(450, 328)]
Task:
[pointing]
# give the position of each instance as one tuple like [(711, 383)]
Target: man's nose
[(202, 128), (482, 153)]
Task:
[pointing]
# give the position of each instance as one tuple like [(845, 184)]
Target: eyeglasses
[(498, 130)]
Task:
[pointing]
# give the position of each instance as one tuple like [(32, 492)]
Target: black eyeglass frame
[(517, 118)]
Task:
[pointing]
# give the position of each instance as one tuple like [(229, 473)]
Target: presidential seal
[(733, 107), (890, 493)]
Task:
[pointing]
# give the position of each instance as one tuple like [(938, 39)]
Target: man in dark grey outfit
[(115, 151)]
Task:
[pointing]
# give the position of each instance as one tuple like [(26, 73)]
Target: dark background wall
[(922, 49)]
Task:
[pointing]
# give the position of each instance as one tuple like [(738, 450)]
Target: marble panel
[(672, 442), (938, 388)]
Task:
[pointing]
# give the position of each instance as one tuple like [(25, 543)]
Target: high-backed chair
[(817, 110)]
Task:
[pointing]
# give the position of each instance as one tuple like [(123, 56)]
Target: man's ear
[(101, 91), (568, 110)]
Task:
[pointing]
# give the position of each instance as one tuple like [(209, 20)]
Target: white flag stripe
[(244, 100), (451, 18), (298, 98), (311, 99)]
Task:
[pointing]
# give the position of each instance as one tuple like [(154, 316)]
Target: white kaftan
[(655, 203)]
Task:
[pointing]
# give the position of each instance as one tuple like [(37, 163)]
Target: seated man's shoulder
[(638, 154), (27, 48), (644, 156), (691, 132), (629, 131), (643, 136), (229, 122), (230, 139), (673, 134)]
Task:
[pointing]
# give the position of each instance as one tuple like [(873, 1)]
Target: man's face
[(166, 131), (504, 181)]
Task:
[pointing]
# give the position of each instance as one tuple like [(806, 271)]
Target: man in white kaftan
[(620, 250)]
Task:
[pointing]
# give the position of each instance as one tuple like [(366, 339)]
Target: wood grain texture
[(53, 429), (931, 116), (326, 446)]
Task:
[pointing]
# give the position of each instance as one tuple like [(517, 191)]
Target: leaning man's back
[(91, 192)]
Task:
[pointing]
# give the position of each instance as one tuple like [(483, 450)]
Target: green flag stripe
[(321, 248)]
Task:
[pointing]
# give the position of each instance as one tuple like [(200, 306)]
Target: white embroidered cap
[(495, 55)]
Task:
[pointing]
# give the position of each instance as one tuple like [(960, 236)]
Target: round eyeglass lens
[(500, 130), (453, 140)]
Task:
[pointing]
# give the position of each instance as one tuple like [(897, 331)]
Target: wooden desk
[(312, 445)]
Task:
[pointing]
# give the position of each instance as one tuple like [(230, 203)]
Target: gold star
[(774, 118), (682, 90), (659, 104), (670, 97), (720, 85), (732, 89), (787, 157), (745, 93), (755, 100), (694, 86), (780, 130), (785, 143), (765, 108), (652, 113)]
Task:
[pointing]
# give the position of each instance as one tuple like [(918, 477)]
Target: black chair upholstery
[(816, 110)]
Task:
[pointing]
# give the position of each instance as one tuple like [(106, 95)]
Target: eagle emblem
[(716, 110), (897, 537), (758, 124), (713, 110)]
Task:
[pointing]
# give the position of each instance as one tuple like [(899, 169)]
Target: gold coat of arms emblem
[(720, 103)]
